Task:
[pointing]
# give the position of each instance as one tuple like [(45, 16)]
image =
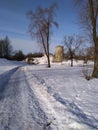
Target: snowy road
[(20, 108), (25, 104), (29, 101)]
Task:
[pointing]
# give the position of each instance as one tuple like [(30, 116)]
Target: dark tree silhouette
[(5, 48), (40, 27), (18, 55)]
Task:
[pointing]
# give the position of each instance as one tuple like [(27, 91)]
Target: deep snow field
[(34, 97)]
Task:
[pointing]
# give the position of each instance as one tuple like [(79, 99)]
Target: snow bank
[(6, 65)]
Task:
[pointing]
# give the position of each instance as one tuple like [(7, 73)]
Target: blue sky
[(14, 22)]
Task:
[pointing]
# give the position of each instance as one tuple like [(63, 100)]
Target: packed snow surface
[(34, 97)]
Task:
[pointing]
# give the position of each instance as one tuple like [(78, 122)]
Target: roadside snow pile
[(5, 62), (6, 65), (42, 60)]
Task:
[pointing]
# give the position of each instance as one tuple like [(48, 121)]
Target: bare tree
[(72, 45), (40, 27), (89, 19)]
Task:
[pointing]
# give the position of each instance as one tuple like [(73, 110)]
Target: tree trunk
[(93, 17), (71, 62), (48, 59), (71, 57), (95, 70), (48, 35)]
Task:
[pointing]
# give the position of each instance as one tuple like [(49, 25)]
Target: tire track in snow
[(19, 107), (5, 77), (51, 107), (9, 103), (34, 110)]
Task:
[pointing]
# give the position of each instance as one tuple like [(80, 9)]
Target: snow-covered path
[(37, 99), (19, 107), (25, 104)]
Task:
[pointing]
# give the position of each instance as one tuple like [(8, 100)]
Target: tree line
[(6, 50)]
